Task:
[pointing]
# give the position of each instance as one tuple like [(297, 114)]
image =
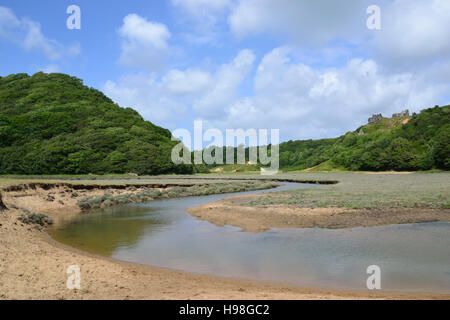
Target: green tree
[(401, 155), (441, 149)]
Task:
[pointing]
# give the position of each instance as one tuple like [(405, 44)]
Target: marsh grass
[(355, 190), (367, 191), (147, 195)]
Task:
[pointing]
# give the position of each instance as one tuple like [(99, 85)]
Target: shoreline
[(236, 212), (37, 270), (33, 266)]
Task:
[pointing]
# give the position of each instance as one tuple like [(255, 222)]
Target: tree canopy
[(53, 124), (420, 142)]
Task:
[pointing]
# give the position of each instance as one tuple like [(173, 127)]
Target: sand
[(33, 266), (232, 211)]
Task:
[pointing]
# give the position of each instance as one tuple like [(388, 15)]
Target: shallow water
[(161, 233)]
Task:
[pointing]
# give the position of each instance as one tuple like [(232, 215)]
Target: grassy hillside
[(53, 124), (420, 142)]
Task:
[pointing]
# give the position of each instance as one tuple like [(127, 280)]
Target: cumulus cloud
[(27, 34), (414, 32), (226, 83), (200, 19), (304, 102), (307, 22), (146, 94), (144, 43), (164, 99), (187, 82), (301, 100), (332, 76), (202, 7)]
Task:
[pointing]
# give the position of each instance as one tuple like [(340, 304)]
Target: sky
[(312, 69)]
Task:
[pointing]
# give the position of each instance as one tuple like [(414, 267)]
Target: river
[(161, 233)]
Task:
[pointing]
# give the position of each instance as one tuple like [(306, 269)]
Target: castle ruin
[(404, 113), (375, 118), (378, 117)]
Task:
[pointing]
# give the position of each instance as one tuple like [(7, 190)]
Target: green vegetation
[(423, 143), (234, 168), (28, 217), (420, 142), (53, 124), (147, 195), (365, 191)]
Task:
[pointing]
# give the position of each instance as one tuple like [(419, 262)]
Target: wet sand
[(233, 211)]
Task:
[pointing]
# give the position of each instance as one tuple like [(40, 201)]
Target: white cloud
[(307, 22), (319, 86), (304, 102), (200, 19), (144, 43), (166, 100), (414, 32), (187, 82), (27, 34), (144, 93), (201, 7), (301, 100), (205, 12), (226, 83)]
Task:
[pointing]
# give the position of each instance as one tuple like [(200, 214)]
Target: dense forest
[(53, 124)]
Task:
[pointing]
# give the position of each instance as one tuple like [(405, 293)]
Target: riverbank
[(231, 211), (359, 200), (33, 266), (54, 198)]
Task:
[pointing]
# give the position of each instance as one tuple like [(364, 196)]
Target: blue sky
[(309, 68)]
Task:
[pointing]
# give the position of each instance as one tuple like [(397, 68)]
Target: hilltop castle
[(378, 117), (404, 113), (375, 118)]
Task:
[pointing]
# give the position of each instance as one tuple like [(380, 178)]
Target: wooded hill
[(420, 142), (53, 124)]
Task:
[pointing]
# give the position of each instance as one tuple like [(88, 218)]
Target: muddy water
[(161, 233)]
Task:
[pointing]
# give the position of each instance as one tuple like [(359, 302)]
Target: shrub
[(108, 200), (84, 204), (28, 217), (108, 203)]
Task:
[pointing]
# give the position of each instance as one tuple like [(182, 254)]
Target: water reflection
[(161, 233), (105, 231)]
